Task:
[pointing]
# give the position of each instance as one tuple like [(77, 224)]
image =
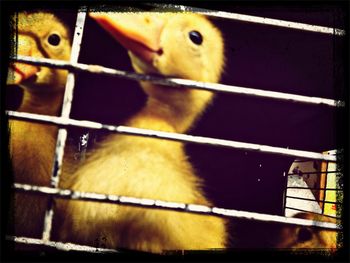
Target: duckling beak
[(138, 32), (20, 72)]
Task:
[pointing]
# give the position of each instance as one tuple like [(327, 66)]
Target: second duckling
[(32, 145), (303, 237)]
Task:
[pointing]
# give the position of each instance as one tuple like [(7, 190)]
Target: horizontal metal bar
[(159, 204), (171, 136), (302, 210), (60, 245), (255, 19), (176, 82), (307, 173), (300, 161), (308, 188), (313, 200)]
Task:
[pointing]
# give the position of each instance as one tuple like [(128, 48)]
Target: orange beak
[(137, 32), (20, 72)]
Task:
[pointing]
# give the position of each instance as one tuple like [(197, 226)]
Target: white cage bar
[(255, 19), (175, 82), (160, 204), (172, 136), (66, 108), (60, 245)]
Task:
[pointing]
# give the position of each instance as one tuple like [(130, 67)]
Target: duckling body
[(32, 145), (147, 167), (302, 237)]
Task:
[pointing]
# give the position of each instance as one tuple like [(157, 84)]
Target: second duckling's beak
[(138, 32), (20, 72)]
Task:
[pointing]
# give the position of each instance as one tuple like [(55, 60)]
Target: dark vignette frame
[(263, 255)]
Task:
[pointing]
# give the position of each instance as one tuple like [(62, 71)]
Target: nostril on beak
[(160, 52)]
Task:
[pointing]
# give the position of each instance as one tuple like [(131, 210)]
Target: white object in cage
[(299, 195), (312, 206)]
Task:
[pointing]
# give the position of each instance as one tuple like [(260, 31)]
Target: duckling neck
[(41, 103), (32, 144), (155, 115), (171, 110)]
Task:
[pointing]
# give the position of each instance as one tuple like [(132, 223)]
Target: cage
[(283, 84)]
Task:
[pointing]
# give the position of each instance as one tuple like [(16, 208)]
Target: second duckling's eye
[(54, 39), (196, 37), (304, 234)]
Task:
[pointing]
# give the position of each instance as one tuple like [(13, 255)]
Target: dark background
[(258, 56)]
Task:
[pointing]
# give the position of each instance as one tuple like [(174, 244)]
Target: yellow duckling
[(298, 237), (183, 45), (32, 145)]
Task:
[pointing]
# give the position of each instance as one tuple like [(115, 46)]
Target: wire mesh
[(308, 199), (307, 211)]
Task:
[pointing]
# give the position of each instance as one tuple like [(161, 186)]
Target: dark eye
[(304, 234), (196, 37), (54, 39)]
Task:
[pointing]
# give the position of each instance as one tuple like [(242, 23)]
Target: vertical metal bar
[(66, 108), (325, 186), (285, 194)]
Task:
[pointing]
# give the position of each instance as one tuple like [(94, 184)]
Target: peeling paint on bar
[(93, 196), (198, 208), (159, 204), (165, 204), (113, 198), (145, 201), (175, 82), (274, 218), (66, 108), (173, 136), (256, 92), (255, 19), (130, 200), (318, 172), (60, 245)]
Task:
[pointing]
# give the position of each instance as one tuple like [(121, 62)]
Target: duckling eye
[(54, 39), (196, 37), (304, 234)]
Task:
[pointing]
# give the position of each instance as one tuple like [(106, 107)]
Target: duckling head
[(40, 35), (296, 237), (181, 45)]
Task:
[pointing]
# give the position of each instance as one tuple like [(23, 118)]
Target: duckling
[(32, 145), (298, 237), (184, 45)]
